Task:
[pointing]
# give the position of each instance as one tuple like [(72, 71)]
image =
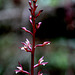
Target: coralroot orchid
[(41, 45), (27, 46), (20, 69), (40, 62), (26, 30)]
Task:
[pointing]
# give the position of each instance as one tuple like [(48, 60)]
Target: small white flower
[(48, 44), (22, 48), (20, 68), (27, 46)]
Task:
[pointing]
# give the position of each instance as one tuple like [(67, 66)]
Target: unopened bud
[(29, 2), (30, 9), (30, 17), (38, 25), (39, 13), (34, 1)]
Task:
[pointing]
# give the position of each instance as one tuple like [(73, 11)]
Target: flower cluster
[(27, 46), (40, 62), (20, 69), (41, 45)]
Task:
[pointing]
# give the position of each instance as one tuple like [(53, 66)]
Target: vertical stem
[(33, 49), (32, 64), (32, 54)]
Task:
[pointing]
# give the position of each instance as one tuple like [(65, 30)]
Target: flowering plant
[(28, 47)]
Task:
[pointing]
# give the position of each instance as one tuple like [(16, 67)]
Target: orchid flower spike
[(20, 69)]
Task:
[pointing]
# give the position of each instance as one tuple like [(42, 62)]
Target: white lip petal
[(16, 72), (41, 58), (22, 48), (48, 44), (41, 61), (19, 68), (27, 41), (43, 64)]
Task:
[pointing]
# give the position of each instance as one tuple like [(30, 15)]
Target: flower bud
[(39, 13)]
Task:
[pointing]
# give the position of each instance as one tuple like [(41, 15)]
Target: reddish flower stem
[(27, 46), (33, 47)]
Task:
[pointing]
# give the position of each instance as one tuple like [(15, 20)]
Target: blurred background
[(58, 26)]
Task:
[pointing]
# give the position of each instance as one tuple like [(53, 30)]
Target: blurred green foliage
[(49, 2), (1, 4), (54, 2), (7, 45), (60, 55), (59, 59), (57, 55), (6, 41)]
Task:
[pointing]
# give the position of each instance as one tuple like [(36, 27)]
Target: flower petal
[(41, 59), (17, 71), (38, 25), (20, 65), (24, 28), (22, 48), (36, 65), (44, 63), (20, 68), (45, 43)]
